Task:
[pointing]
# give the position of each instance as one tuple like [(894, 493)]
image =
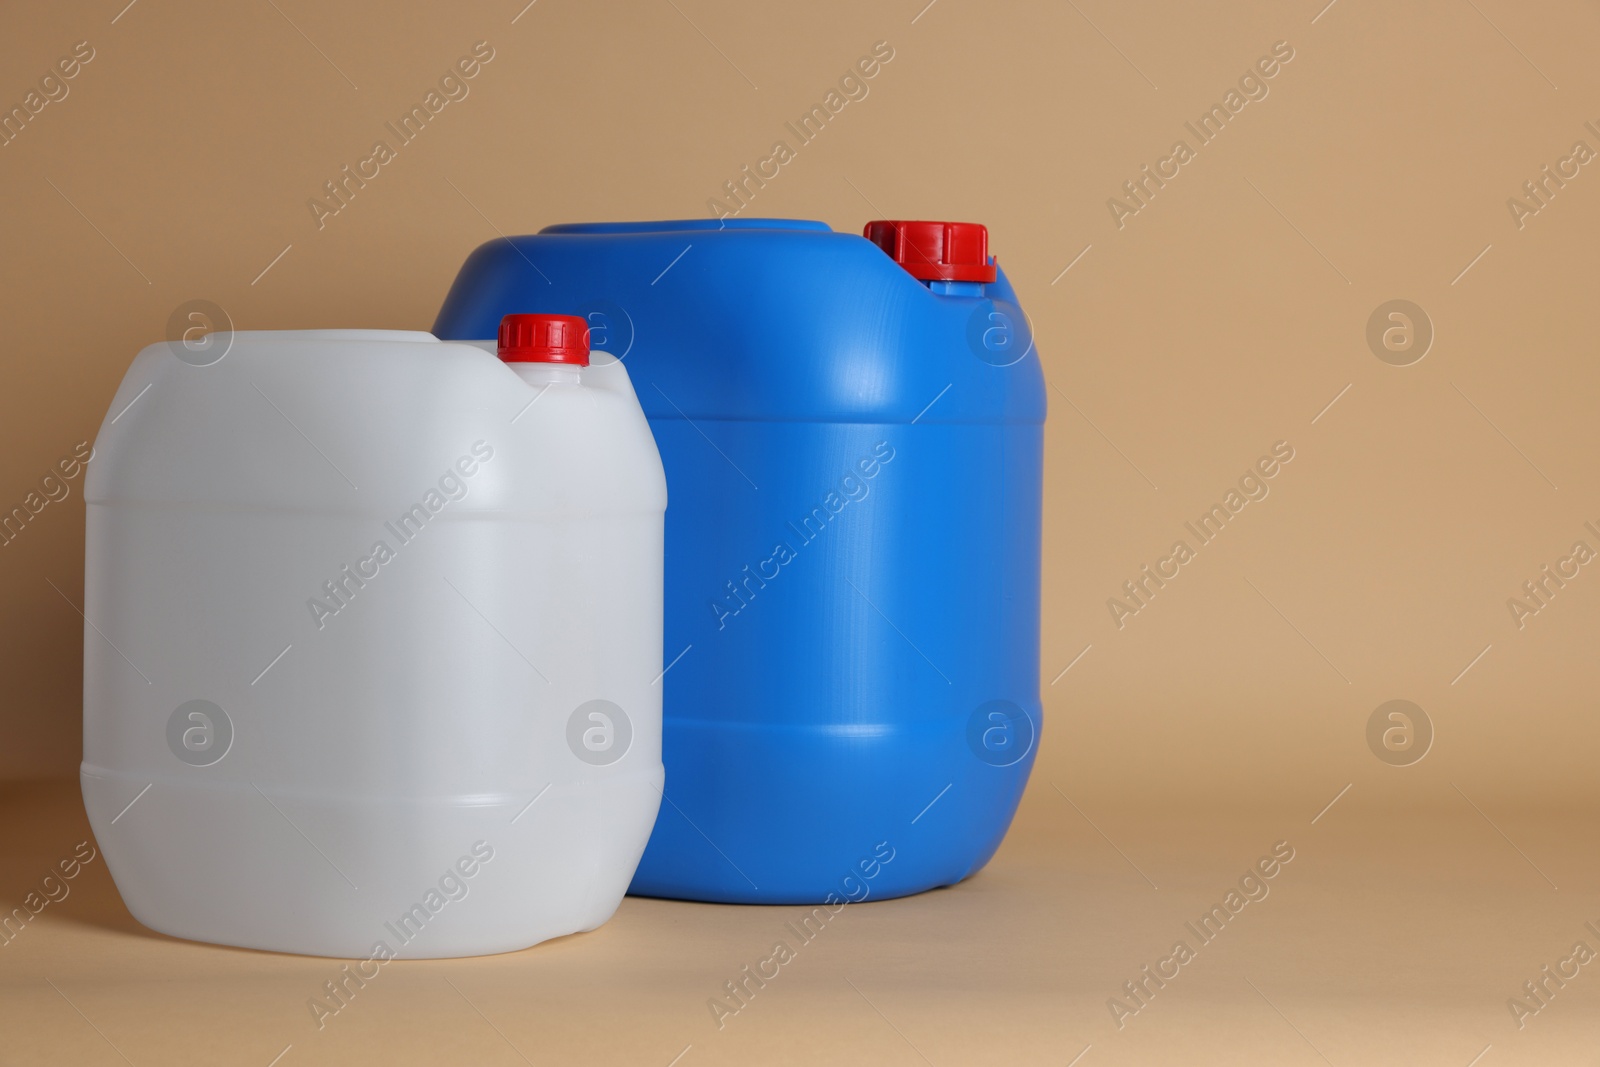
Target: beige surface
[(1224, 316), (1388, 939)]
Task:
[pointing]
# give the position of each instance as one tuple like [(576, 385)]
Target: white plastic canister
[(373, 639)]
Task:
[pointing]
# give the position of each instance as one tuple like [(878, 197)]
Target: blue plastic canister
[(852, 432)]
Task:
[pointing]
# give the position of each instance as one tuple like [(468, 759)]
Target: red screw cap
[(544, 339), (935, 251)]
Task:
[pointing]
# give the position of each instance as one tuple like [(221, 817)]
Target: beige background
[(1223, 317)]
